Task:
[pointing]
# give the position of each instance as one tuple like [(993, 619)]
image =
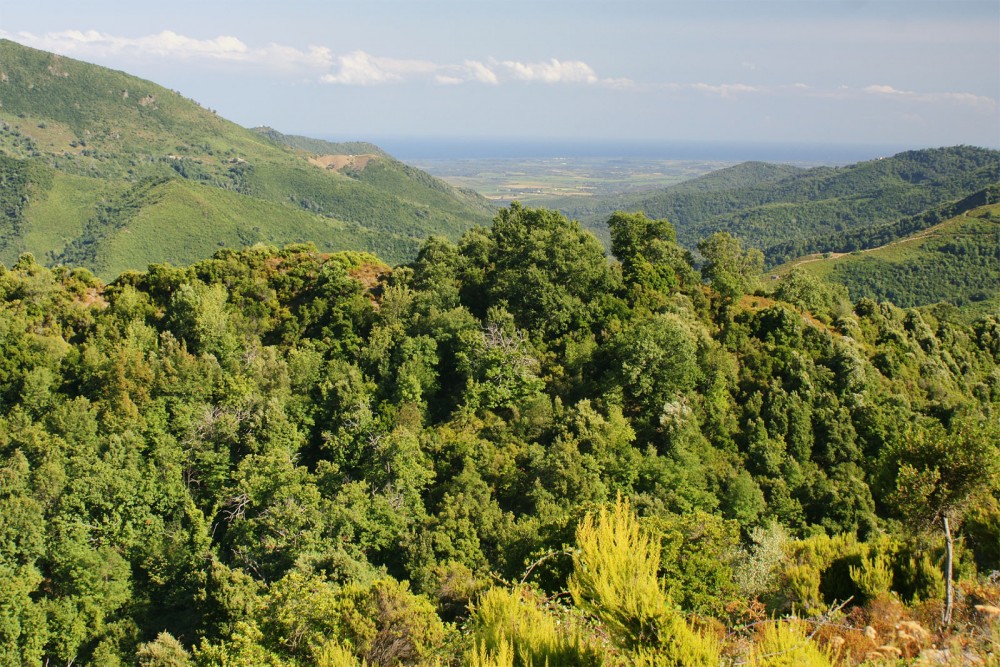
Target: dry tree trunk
[(949, 589)]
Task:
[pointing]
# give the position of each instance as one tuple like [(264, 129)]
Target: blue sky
[(897, 72)]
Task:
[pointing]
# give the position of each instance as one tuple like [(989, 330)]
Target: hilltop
[(111, 172)]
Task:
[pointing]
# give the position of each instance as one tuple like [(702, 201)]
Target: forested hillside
[(955, 262), (113, 172), (785, 212), (509, 451)]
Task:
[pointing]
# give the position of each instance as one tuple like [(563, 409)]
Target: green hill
[(956, 261), (774, 208), (93, 156)]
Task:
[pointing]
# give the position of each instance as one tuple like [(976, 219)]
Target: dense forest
[(511, 451)]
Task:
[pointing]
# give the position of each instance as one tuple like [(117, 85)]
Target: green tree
[(648, 252), (731, 270)]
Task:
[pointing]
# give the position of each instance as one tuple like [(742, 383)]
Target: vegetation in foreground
[(508, 452)]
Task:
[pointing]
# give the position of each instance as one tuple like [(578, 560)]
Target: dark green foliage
[(880, 235), (961, 270), (730, 270), (288, 457)]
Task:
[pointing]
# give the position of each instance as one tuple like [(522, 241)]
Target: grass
[(57, 215)]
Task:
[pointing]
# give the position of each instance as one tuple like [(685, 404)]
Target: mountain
[(111, 172), (956, 261), (769, 207)]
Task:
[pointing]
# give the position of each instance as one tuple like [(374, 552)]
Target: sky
[(891, 72)]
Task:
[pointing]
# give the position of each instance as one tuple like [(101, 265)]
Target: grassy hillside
[(202, 219), (770, 208), (957, 261), (90, 153), (320, 146)]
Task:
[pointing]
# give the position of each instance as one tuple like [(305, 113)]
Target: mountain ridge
[(67, 118)]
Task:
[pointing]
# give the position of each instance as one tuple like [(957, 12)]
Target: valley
[(556, 182)]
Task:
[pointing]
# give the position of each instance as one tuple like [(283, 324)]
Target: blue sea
[(436, 148)]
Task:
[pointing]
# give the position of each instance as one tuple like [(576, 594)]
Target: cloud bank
[(356, 68), (360, 68), (168, 44)]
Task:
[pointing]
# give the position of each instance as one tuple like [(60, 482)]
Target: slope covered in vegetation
[(781, 212), (85, 138), (505, 452), (956, 262)]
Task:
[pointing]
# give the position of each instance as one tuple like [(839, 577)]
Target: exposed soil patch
[(341, 162), (93, 297)]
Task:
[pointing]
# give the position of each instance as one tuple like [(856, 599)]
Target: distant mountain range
[(784, 210), (111, 172)]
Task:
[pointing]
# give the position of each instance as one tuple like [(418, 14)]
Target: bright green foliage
[(284, 457), (787, 644), (615, 579), (808, 292), (873, 576), (649, 254), (334, 655), (658, 361), (481, 656), (549, 272), (164, 651), (123, 173)]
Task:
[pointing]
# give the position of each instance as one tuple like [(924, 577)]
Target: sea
[(458, 148)]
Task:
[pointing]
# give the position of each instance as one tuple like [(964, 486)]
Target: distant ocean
[(792, 153)]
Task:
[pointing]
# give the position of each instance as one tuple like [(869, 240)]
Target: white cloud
[(359, 68), (480, 72), (726, 89), (886, 90), (553, 71), (969, 99), (965, 99), (356, 68)]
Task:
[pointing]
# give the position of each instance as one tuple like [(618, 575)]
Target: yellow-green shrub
[(535, 634), (786, 644), (615, 580)]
